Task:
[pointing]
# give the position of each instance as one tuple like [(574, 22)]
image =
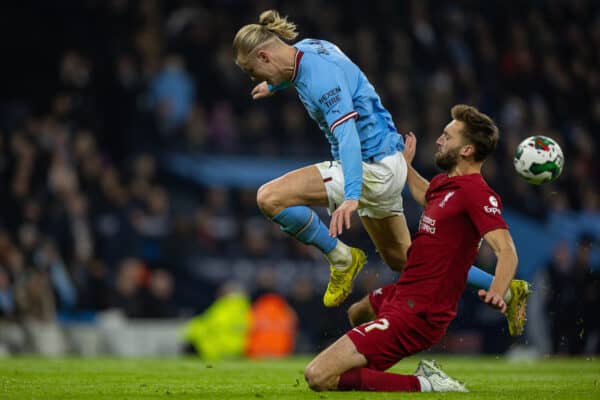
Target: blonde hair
[(270, 25)]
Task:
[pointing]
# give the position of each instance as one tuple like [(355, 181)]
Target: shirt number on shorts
[(382, 325)]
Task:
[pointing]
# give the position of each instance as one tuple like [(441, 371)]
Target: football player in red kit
[(412, 314)]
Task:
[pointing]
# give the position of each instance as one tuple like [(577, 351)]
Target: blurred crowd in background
[(95, 92)]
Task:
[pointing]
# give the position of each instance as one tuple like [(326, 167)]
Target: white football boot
[(440, 382)]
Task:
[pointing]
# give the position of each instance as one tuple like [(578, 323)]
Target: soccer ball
[(538, 160)]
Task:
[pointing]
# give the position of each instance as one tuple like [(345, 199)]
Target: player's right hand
[(493, 300), (341, 217), (410, 147), (261, 91)]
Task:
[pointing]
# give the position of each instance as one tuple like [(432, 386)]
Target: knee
[(356, 314), (316, 378), (268, 200), (361, 312), (395, 258)]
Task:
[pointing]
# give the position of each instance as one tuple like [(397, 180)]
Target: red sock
[(378, 381)]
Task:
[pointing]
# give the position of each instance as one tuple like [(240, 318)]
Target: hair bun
[(268, 17)]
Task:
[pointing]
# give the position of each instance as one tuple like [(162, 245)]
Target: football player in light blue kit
[(368, 172)]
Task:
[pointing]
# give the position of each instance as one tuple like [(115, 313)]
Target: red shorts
[(394, 334)]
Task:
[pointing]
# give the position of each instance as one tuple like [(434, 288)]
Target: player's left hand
[(341, 217), (410, 147), (492, 299), (261, 91)]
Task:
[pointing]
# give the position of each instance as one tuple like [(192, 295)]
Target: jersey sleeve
[(485, 210), (281, 86), (330, 92), (350, 156)]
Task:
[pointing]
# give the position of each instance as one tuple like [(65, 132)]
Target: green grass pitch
[(188, 378)]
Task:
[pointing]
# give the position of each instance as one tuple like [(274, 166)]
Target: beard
[(448, 160)]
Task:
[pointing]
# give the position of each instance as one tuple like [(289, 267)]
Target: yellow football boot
[(340, 282), (516, 313)]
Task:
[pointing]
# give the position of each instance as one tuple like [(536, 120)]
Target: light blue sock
[(479, 279), (306, 226)]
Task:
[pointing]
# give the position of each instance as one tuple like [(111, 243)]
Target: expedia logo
[(494, 209)]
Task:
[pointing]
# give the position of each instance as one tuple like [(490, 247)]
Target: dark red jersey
[(459, 211)]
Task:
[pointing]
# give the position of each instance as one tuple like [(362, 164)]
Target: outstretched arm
[(416, 183), (264, 89), (350, 157), (501, 242)]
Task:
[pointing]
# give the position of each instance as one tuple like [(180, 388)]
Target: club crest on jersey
[(494, 209), (446, 198)]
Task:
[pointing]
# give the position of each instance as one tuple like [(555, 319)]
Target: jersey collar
[(297, 58)]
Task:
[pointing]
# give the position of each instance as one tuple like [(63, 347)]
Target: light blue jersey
[(333, 89), (338, 96)]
